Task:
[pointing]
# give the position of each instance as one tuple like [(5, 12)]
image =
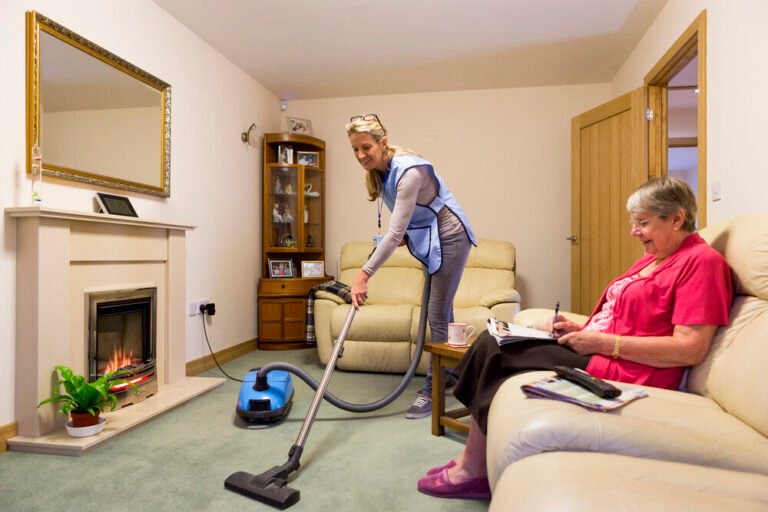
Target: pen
[(557, 310)]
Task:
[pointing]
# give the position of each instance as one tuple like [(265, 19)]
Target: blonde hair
[(373, 178), (665, 197)]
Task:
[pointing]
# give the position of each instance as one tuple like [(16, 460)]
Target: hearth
[(121, 336)]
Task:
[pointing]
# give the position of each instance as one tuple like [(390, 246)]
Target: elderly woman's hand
[(588, 342), (562, 326)]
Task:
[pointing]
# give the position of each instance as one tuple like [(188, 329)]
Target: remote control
[(596, 385)]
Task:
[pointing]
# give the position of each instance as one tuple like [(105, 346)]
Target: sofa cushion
[(594, 482), (733, 373), (668, 425)]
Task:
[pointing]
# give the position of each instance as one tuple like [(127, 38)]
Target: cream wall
[(737, 41), (214, 176), (505, 154)]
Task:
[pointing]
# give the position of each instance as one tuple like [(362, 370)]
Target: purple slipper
[(439, 469), (440, 486)]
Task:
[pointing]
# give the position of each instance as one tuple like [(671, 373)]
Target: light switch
[(717, 191)]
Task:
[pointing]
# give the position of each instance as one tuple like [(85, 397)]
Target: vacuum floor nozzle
[(272, 491)]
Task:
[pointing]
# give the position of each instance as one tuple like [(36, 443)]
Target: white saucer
[(86, 431), (457, 346)]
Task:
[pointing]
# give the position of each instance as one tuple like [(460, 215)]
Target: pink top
[(691, 287)]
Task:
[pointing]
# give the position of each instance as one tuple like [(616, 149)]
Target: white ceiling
[(301, 49)]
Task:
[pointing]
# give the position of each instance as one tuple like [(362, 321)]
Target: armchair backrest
[(491, 266), (399, 281), (734, 373)]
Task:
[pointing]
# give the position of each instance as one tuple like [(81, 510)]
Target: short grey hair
[(664, 197)]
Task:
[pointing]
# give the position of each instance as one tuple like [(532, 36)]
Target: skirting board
[(6, 432), (198, 366)]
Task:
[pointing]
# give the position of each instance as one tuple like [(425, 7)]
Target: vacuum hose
[(261, 377)]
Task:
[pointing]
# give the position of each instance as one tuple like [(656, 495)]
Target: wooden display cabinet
[(293, 231)]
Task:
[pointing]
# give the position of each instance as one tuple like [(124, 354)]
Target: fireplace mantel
[(60, 256)]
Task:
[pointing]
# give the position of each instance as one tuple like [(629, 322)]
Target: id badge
[(377, 240)]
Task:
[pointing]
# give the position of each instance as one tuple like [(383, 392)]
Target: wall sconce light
[(249, 135), (283, 105)]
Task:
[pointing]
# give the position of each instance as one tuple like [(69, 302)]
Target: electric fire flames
[(119, 359)]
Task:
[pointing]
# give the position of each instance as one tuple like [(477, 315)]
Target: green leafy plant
[(83, 396)]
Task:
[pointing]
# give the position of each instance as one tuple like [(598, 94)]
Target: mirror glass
[(98, 119)]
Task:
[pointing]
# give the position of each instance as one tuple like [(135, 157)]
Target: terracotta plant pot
[(84, 419)]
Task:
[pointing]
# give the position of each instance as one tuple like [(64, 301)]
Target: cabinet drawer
[(298, 287)]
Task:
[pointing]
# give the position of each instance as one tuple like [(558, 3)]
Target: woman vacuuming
[(438, 232)]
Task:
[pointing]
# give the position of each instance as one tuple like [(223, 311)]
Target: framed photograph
[(284, 154), (302, 126), (312, 268), (281, 268), (308, 158), (115, 205)]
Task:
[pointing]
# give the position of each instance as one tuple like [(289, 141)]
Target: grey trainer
[(421, 408)]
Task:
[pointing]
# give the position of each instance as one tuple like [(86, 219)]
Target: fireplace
[(121, 327)]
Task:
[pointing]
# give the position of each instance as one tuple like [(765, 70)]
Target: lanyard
[(384, 181)]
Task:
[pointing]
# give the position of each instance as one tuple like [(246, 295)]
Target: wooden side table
[(444, 356)]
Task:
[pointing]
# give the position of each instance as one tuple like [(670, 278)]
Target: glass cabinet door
[(284, 205), (314, 197)]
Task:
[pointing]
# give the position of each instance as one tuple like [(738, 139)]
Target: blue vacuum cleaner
[(268, 405), (267, 399)]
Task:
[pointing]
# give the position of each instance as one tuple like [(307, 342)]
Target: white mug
[(459, 333)]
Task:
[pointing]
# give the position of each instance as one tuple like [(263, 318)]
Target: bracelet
[(616, 348)]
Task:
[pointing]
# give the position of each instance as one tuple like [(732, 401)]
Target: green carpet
[(179, 461)]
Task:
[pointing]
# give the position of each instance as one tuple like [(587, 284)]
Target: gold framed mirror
[(97, 118)]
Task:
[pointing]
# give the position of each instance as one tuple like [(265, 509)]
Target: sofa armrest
[(499, 296), (537, 318), (320, 294)]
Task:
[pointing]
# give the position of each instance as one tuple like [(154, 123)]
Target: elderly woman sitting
[(650, 323)]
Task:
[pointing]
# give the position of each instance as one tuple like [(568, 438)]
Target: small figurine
[(278, 186)]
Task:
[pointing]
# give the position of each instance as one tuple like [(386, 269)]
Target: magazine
[(506, 333), (556, 388)]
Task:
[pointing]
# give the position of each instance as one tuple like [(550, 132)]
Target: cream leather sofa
[(383, 334), (706, 449)]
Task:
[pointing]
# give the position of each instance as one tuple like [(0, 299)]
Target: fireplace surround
[(61, 256)]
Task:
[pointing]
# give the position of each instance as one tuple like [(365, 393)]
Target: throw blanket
[(334, 287)]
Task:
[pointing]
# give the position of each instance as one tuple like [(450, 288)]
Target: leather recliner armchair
[(383, 335)]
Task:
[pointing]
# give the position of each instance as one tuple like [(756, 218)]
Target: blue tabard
[(423, 233)]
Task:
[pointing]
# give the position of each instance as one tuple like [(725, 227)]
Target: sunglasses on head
[(368, 117)]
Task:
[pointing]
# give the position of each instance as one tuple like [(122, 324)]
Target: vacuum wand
[(270, 487), (325, 380)]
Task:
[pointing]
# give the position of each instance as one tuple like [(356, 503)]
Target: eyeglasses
[(641, 224), (368, 117)]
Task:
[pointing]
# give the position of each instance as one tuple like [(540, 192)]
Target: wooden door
[(614, 149)]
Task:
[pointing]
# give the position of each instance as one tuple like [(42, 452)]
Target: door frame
[(692, 43)]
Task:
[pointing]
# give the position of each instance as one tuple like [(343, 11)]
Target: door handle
[(571, 238)]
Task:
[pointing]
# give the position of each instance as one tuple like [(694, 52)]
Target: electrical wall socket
[(194, 306)]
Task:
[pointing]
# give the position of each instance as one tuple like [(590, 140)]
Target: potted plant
[(84, 400)]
